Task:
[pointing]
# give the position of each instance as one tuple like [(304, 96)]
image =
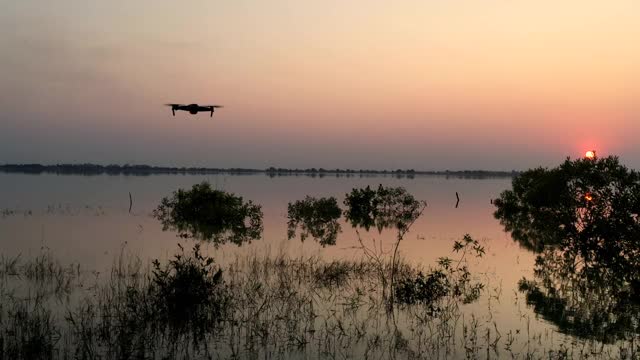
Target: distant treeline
[(93, 169)]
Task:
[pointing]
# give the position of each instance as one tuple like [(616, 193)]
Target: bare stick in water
[(458, 199), (130, 202)]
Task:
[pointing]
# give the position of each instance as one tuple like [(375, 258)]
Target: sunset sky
[(424, 84)]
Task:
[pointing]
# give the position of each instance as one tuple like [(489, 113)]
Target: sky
[(423, 84)]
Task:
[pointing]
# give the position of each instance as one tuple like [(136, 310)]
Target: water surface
[(87, 220)]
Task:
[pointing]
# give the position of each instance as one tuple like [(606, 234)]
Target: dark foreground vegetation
[(189, 307), (582, 220)]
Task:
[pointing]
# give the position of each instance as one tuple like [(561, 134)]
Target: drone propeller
[(173, 108), (212, 107)]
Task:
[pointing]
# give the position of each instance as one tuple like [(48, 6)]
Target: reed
[(261, 306)]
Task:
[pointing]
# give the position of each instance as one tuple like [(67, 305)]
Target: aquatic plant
[(450, 278), (165, 310), (213, 215), (275, 307), (336, 273), (188, 293), (28, 331), (317, 218), (422, 289), (385, 207), (582, 220)]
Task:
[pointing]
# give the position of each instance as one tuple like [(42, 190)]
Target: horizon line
[(151, 169)]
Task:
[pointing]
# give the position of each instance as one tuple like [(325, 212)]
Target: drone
[(193, 108)]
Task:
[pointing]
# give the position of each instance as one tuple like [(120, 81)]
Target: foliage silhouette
[(451, 279), (182, 309), (31, 334), (209, 214), (317, 218), (188, 293), (582, 219), (337, 273), (385, 207)]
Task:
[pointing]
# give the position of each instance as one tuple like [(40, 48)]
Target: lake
[(87, 220)]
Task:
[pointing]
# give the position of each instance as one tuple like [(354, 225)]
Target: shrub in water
[(422, 289), (189, 293), (450, 279), (208, 214), (582, 218), (317, 218), (383, 208)]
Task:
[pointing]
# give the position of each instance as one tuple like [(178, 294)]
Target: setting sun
[(591, 154)]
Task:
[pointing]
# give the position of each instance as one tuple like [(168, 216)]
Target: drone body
[(193, 108)]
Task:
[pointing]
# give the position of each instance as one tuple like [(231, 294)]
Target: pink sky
[(360, 84)]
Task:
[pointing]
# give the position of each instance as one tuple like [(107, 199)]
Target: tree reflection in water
[(582, 220), (212, 215), (317, 218), (386, 207)]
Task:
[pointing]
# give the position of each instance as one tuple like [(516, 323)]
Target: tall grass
[(261, 306)]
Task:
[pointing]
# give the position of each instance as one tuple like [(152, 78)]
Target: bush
[(383, 208), (423, 289), (451, 279), (317, 218), (208, 214), (188, 294)]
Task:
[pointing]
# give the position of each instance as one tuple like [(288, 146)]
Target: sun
[(591, 154), (588, 196)]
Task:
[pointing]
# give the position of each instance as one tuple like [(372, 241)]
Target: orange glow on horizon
[(588, 196)]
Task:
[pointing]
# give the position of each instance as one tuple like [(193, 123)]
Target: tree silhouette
[(582, 220)]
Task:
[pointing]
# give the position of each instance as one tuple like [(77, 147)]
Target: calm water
[(86, 219)]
